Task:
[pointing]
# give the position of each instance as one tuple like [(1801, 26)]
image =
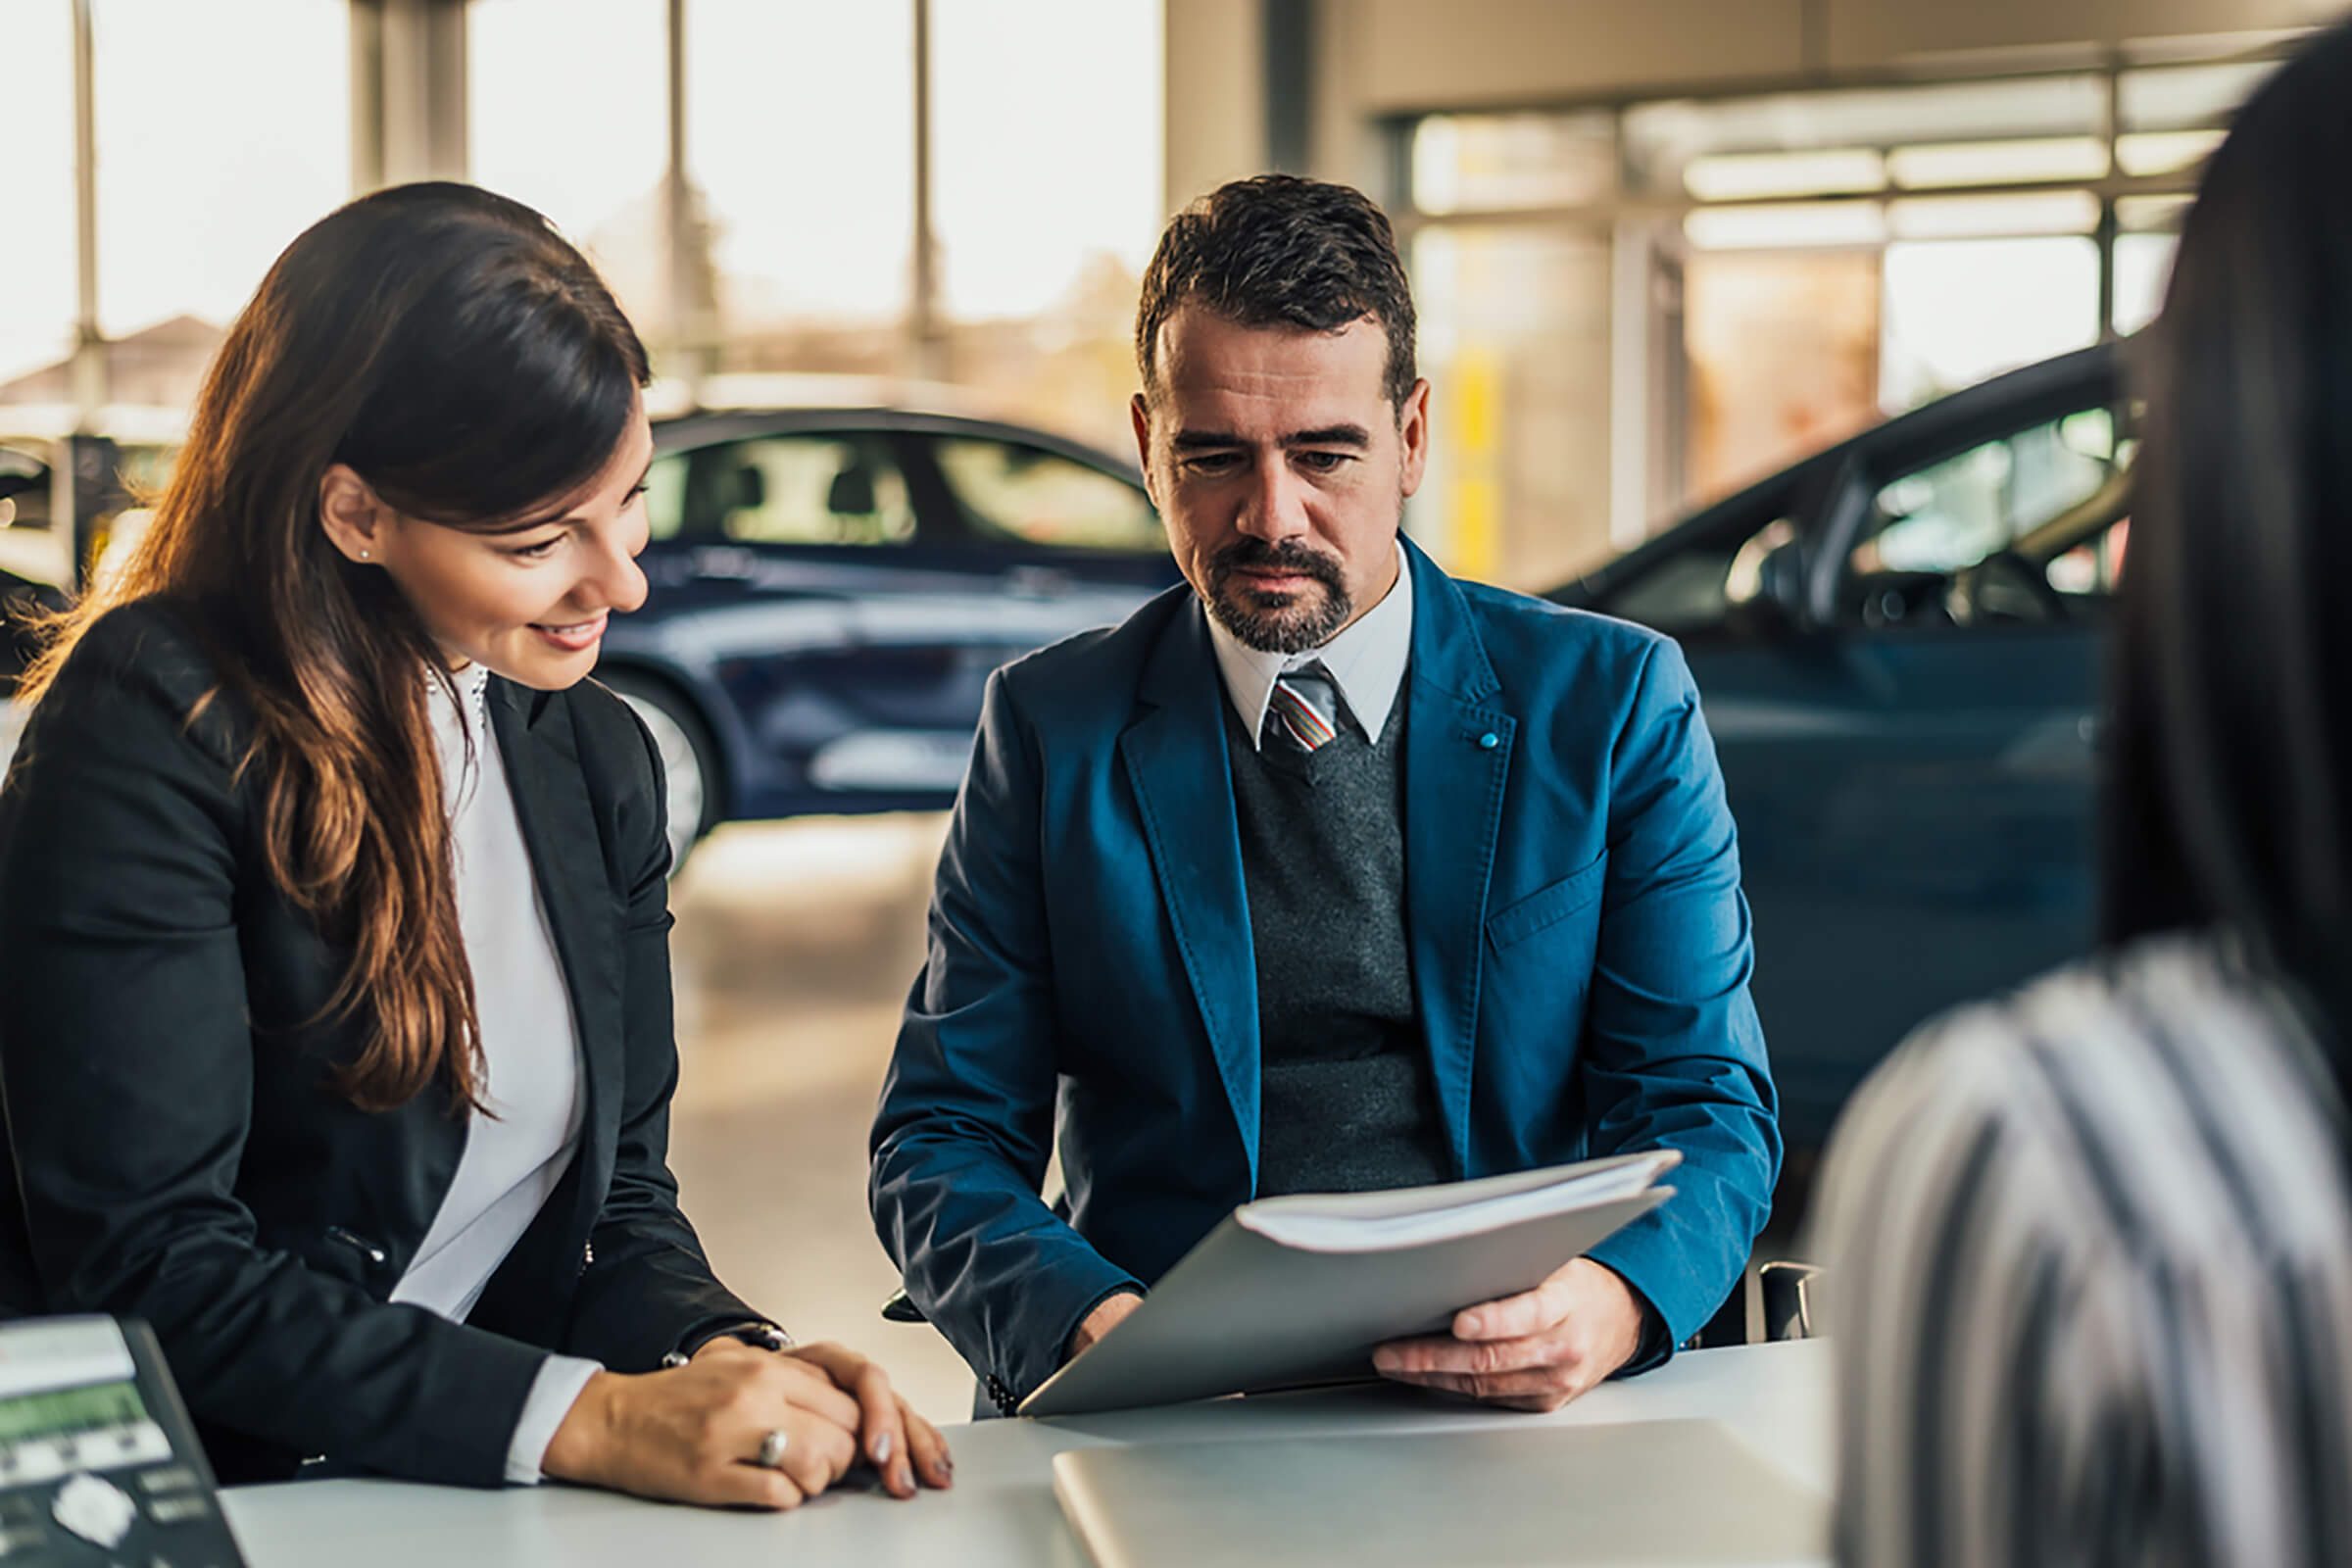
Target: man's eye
[(1322, 462), (1212, 463)]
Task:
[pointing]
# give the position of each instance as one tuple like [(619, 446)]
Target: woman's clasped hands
[(697, 1433)]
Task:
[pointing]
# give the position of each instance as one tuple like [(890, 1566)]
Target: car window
[(1710, 582), (1955, 513), (812, 489), (1022, 492), (666, 496)]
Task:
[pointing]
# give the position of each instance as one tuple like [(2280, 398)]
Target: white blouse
[(531, 1078)]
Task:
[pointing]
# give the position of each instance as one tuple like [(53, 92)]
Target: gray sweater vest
[(1345, 1103)]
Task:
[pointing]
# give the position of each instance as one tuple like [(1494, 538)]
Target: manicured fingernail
[(882, 1449), (906, 1475)]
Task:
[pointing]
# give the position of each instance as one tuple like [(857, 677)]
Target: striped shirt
[(2090, 1280)]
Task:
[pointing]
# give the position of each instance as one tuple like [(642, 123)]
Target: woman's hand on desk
[(692, 1434), (900, 1445)]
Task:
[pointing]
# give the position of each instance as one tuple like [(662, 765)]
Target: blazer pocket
[(1548, 905)]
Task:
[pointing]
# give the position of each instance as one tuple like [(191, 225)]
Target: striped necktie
[(1306, 707)]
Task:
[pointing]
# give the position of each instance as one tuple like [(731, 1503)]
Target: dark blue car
[(1897, 644), (831, 587)]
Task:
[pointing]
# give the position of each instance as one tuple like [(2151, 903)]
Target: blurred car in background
[(24, 502), (1897, 645), (830, 589)]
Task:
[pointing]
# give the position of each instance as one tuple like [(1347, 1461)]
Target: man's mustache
[(1251, 555)]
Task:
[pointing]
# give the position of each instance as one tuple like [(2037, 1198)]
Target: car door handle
[(1040, 582)]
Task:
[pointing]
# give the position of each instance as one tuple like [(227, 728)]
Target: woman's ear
[(351, 513)]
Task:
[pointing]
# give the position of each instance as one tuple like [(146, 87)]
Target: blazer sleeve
[(1673, 1052), (966, 1121), (649, 1286), (126, 1074)]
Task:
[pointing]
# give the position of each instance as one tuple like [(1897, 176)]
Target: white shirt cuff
[(553, 1392)]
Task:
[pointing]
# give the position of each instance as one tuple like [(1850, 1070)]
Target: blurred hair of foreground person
[(2092, 1253), (337, 1040)]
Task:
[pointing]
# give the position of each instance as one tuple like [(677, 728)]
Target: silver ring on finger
[(773, 1444)]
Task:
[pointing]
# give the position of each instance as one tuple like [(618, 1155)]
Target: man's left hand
[(1532, 1351)]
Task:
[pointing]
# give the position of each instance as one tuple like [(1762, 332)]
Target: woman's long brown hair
[(467, 363)]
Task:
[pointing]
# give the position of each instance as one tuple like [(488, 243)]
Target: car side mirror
[(851, 493)]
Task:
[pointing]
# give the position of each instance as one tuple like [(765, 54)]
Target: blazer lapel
[(1175, 761), (1457, 744), (559, 832)]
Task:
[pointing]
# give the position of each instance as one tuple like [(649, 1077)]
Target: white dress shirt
[(1366, 660), (530, 1052)]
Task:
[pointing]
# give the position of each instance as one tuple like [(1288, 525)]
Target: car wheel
[(689, 759)]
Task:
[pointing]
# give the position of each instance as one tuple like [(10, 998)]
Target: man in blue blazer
[(1324, 872)]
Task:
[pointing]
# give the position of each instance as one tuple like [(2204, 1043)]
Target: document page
[(1373, 1222)]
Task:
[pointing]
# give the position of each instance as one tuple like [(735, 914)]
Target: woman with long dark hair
[(2091, 1247), (335, 1038)]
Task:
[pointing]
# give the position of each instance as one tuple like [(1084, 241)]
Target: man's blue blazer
[(1579, 953)]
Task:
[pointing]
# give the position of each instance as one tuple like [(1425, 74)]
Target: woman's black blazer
[(177, 1152)]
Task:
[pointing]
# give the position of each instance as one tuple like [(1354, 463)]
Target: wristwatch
[(758, 1333)]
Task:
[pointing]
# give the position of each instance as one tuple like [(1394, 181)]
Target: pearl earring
[(363, 555)]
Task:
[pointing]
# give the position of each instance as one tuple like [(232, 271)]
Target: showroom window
[(1725, 284)]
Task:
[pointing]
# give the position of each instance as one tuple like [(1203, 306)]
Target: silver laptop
[(1642, 1493)]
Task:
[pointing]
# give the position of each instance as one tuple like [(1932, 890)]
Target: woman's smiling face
[(531, 602)]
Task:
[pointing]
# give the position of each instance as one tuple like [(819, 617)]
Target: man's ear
[(1140, 412), (1412, 435), (351, 513)]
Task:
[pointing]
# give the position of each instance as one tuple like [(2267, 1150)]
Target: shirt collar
[(1366, 660)]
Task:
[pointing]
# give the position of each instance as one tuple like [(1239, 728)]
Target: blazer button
[(1489, 741)]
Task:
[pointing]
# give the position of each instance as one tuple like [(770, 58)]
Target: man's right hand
[(691, 1434), (1101, 1321)]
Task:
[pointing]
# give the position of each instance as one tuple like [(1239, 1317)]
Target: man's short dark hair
[(1280, 251)]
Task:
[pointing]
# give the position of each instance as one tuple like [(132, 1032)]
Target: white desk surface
[(1002, 1509)]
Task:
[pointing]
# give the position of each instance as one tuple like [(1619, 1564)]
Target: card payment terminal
[(99, 1464)]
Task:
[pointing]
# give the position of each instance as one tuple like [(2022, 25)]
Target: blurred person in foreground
[(2092, 1249), (336, 1038), (1324, 872)]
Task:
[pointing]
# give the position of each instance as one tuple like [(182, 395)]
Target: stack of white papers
[(1293, 1290)]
